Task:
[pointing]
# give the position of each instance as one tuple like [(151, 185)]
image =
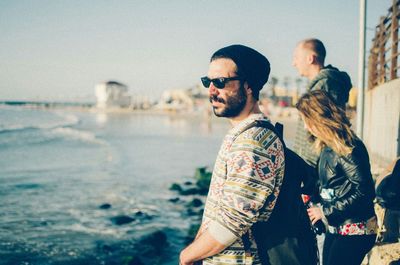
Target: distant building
[(112, 94), (200, 97), (175, 100), (285, 97)]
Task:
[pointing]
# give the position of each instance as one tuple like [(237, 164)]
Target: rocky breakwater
[(191, 197), (159, 245), (149, 248)]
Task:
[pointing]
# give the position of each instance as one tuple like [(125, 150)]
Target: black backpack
[(287, 236)]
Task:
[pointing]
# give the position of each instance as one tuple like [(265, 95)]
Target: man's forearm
[(204, 246)]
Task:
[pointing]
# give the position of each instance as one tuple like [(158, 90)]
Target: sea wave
[(69, 119), (102, 230), (74, 134), (65, 121), (15, 128)]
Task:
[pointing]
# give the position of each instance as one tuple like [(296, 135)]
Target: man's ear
[(248, 89), (311, 58)]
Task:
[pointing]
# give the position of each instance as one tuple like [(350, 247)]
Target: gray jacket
[(333, 81)]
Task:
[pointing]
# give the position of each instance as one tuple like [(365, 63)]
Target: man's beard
[(233, 104)]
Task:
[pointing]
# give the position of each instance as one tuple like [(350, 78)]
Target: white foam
[(69, 119), (97, 230), (23, 122), (79, 135), (12, 127)]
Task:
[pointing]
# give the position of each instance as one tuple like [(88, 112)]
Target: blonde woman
[(346, 188)]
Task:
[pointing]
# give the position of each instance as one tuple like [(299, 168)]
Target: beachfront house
[(112, 94), (175, 100)]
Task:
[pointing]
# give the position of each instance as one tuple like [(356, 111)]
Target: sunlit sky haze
[(59, 50)]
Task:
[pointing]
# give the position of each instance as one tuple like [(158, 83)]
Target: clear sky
[(59, 50)]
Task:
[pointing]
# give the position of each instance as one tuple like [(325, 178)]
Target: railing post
[(361, 71), (373, 64), (381, 53), (395, 40)]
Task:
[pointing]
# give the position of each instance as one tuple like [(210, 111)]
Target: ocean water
[(57, 167)]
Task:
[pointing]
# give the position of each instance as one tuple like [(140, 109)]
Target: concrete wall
[(382, 121)]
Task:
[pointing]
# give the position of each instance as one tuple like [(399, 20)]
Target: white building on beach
[(175, 100), (112, 94)]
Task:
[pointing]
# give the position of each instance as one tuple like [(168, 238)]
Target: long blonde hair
[(328, 121)]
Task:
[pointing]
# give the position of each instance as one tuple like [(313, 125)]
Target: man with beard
[(248, 173)]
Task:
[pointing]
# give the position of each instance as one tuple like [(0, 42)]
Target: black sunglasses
[(218, 82)]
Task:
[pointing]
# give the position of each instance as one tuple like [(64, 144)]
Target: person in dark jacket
[(309, 59), (346, 189), (388, 197)]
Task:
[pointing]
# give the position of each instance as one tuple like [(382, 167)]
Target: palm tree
[(286, 82), (273, 82), (298, 82)]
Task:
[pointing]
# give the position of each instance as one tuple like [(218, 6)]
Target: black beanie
[(250, 63)]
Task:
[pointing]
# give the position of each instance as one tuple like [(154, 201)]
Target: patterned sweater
[(246, 181)]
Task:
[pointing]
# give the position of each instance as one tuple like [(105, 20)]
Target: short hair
[(317, 47)]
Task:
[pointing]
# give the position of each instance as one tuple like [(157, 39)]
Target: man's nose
[(212, 90)]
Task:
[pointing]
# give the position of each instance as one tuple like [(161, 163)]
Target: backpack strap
[(278, 130)]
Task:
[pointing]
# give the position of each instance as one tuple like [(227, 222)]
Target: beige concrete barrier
[(382, 121)]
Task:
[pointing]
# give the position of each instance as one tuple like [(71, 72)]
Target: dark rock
[(121, 219), (139, 213), (148, 217), (174, 199), (107, 248), (157, 238), (135, 261), (104, 248), (191, 212), (195, 203), (188, 183), (143, 216), (201, 212), (203, 178), (203, 191), (176, 187), (193, 229), (153, 243), (191, 191), (105, 206)]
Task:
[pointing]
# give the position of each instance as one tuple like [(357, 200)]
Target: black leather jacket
[(388, 192), (346, 186)]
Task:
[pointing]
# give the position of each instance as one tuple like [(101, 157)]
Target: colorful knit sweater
[(246, 181)]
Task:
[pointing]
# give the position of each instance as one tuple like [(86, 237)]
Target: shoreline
[(288, 116)]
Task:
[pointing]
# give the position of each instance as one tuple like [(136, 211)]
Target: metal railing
[(383, 61)]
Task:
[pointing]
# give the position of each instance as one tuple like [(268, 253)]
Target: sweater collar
[(241, 125)]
